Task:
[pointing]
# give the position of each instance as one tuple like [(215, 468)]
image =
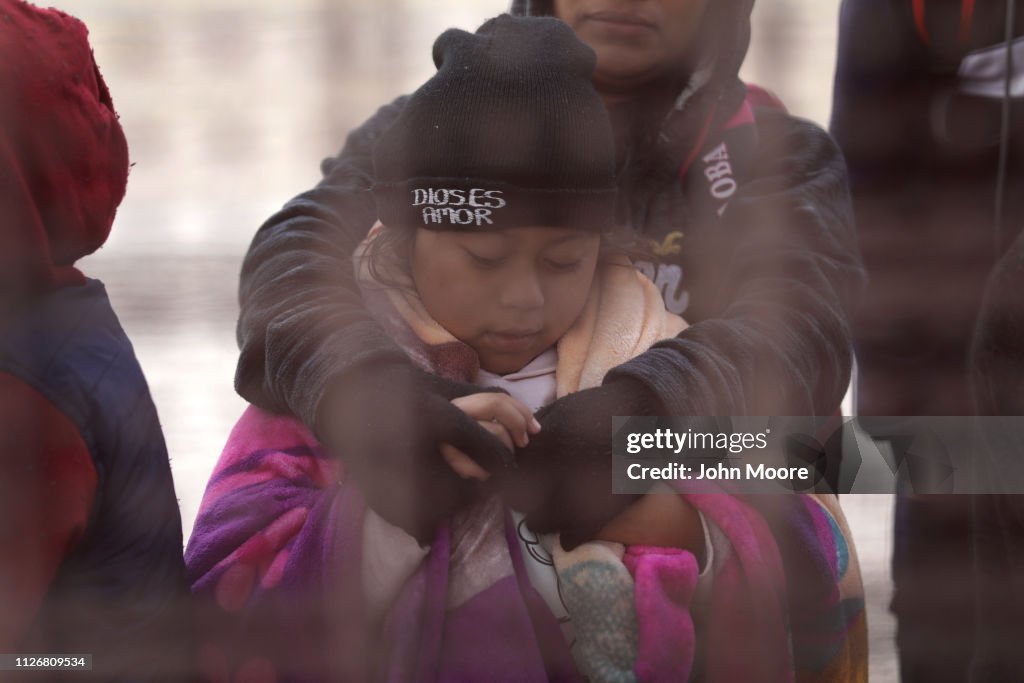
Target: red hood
[(63, 155)]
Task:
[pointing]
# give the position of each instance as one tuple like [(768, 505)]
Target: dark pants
[(933, 597)]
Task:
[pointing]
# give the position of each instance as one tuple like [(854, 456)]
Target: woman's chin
[(622, 77)]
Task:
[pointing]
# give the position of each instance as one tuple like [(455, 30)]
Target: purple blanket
[(275, 561)]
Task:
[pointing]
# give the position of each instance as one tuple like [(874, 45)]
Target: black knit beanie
[(509, 132)]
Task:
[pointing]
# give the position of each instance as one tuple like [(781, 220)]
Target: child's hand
[(501, 415)]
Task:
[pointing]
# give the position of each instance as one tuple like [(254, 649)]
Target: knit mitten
[(386, 423), (563, 482)]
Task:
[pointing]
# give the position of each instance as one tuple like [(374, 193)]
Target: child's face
[(509, 294), (636, 42)]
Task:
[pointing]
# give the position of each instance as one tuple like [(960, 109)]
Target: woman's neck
[(667, 84), (641, 110), (637, 118)]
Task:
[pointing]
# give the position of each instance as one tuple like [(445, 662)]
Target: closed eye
[(564, 266), (485, 261)]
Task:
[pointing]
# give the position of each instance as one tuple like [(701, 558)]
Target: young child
[(491, 265), (90, 534)]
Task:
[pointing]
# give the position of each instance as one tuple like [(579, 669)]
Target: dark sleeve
[(302, 321), (997, 353), (997, 377), (778, 342), (47, 490)]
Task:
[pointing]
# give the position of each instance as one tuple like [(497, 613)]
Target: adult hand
[(387, 423), (563, 481)]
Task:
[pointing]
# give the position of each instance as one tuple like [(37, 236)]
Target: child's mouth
[(512, 341)]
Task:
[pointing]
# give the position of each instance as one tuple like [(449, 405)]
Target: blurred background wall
[(229, 106)]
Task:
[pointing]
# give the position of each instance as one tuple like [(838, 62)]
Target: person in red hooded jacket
[(90, 533)]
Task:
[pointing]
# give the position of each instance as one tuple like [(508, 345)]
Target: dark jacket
[(765, 286), (997, 364), (119, 592)]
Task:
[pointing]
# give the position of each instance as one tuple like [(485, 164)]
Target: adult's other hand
[(563, 482)]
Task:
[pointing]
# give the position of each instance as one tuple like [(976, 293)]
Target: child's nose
[(523, 292)]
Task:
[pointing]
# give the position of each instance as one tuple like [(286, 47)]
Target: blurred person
[(745, 206), (922, 111), (494, 265), (90, 533), (997, 365)]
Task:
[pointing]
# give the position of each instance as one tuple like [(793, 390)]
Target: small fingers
[(500, 431), (513, 415), (462, 464), (481, 444), (465, 466)]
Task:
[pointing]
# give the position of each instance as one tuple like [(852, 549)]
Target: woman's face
[(509, 294), (636, 41)]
